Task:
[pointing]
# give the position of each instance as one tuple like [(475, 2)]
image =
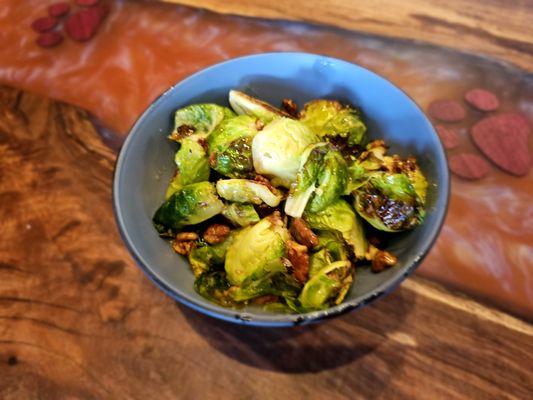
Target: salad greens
[(244, 174)]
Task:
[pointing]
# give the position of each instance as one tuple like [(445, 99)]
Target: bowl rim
[(275, 320)]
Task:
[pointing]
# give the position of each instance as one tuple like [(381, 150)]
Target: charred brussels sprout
[(329, 284), (190, 205), (389, 202), (214, 287), (244, 104), (230, 148), (329, 119), (198, 119), (339, 217), (246, 191), (278, 147), (192, 165), (241, 214), (320, 181), (273, 283), (256, 251), (207, 257)]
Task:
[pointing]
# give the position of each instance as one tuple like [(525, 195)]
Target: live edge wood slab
[(78, 320), (499, 28)]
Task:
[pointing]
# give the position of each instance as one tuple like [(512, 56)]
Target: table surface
[(79, 320)]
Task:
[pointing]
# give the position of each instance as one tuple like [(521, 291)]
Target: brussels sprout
[(277, 149), (257, 250), (230, 146), (389, 202), (375, 159), (339, 217), (331, 248), (190, 205), (334, 244), (320, 180), (318, 261), (192, 165), (241, 214), (198, 119), (331, 282), (246, 191), (207, 257), (274, 283), (248, 105), (214, 286), (329, 119)]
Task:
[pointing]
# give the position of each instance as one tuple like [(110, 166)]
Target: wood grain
[(79, 320), (497, 28)]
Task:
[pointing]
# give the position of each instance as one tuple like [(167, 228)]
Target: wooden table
[(78, 320)]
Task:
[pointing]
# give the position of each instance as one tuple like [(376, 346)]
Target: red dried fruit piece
[(503, 139), (468, 166), (448, 136), (447, 110), (87, 3), (58, 9), (44, 24), (84, 24), (49, 39), (482, 99)]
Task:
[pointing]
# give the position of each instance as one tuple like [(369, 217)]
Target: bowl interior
[(145, 166)]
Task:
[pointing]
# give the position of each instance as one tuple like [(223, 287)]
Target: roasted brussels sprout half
[(320, 181), (192, 165), (273, 283), (230, 150), (389, 202), (339, 217), (247, 191), (278, 147), (244, 104), (198, 119), (257, 250), (214, 286), (241, 214), (375, 159), (329, 119), (207, 257), (329, 284), (190, 205), (333, 242)]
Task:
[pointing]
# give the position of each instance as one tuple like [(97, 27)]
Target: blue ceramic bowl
[(145, 165)]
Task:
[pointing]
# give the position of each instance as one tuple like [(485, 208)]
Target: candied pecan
[(290, 107), (297, 255), (383, 259), (259, 124), (216, 233), (303, 234), (184, 242)]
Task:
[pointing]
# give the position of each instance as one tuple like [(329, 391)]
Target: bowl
[(145, 165)]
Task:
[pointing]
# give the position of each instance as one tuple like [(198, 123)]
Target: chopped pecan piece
[(297, 255), (383, 259), (290, 107), (216, 233), (259, 124), (303, 234), (184, 242)]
